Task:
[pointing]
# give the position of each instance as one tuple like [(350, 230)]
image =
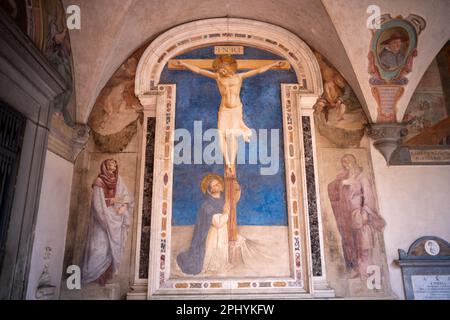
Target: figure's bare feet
[(229, 171), (353, 274), (247, 135)]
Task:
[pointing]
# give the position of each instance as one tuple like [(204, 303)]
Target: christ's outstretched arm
[(198, 70), (263, 69)]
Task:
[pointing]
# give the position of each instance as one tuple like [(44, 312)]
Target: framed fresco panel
[(229, 215), (269, 253)]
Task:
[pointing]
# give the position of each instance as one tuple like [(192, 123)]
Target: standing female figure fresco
[(111, 208)]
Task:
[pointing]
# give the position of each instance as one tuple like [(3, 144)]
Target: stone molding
[(239, 31), (387, 137)]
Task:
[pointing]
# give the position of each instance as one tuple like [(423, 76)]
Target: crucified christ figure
[(230, 121)]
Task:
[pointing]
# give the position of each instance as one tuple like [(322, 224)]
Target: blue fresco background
[(263, 199)]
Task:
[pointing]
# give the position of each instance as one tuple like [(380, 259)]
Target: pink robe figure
[(353, 202)]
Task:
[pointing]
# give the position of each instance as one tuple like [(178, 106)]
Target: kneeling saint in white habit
[(216, 260), (208, 252), (216, 255), (111, 208)]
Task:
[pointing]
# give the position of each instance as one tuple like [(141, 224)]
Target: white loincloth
[(231, 122)]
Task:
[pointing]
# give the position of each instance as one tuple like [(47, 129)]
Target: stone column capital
[(80, 137), (386, 137), (149, 101)]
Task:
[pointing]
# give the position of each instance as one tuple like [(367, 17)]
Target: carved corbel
[(80, 137), (149, 101), (387, 137), (67, 141)]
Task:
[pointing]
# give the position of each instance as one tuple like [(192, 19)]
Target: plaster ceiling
[(111, 30), (353, 32)]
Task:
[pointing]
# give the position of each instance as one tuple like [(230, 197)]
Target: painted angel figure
[(230, 120)]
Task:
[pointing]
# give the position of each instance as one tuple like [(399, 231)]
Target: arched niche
[(228, 31), (159, 101)]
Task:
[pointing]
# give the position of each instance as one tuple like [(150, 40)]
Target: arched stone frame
[(227, 30), (297, 100)]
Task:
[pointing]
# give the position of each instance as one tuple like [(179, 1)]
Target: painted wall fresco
[(56, 47), (111, 207), (443, 61), (261, 209), (352, 225), (44, 21), (352, 198), (427, 115), (86, 244), (115, 120), (198, 189), (116, 112), (427, 105), (392, 51), (338, 114)]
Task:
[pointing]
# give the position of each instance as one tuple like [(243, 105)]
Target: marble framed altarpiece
[(277, 217)]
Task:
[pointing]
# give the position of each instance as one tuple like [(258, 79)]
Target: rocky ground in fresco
[(265, 252)]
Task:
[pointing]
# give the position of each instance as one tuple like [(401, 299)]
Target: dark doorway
[(12, 128)]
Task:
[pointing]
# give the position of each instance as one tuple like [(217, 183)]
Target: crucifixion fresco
[(223, 192)]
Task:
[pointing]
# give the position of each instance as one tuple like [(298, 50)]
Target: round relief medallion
[(432, 248)]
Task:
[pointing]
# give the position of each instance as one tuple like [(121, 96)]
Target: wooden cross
[(231, 185), (241, 64)]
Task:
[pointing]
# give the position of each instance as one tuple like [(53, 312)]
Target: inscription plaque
[(430, 287), (426, 269), (218, 50), (430, 155)]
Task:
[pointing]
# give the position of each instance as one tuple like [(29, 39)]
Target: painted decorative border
[(162, 197)]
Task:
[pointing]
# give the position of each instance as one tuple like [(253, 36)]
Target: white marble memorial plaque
[(431, 287)]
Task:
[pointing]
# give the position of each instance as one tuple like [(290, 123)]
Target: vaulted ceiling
[(111, 30), (350, 19)]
